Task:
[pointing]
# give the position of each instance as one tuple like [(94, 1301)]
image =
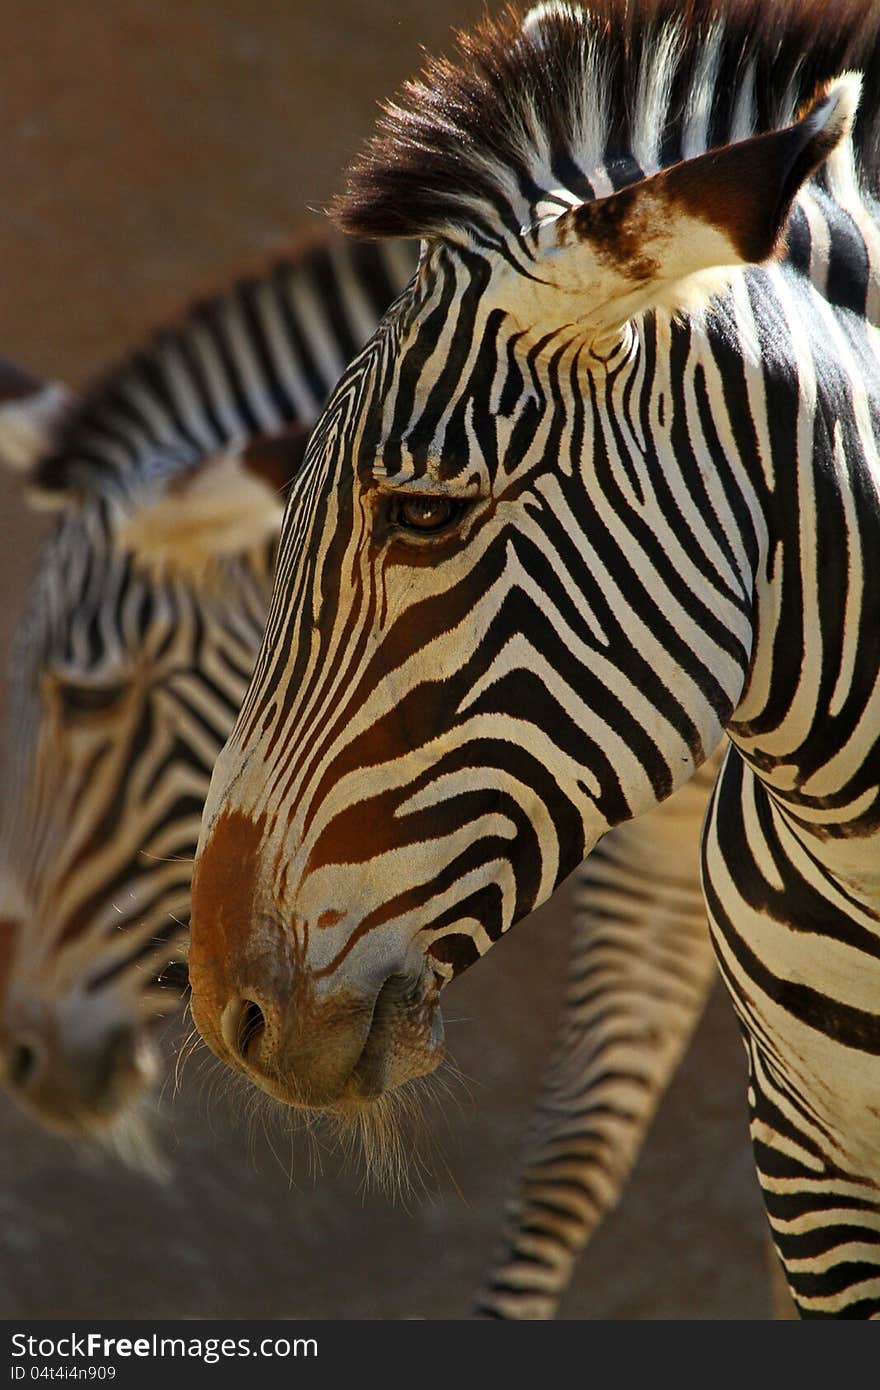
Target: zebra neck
[(808, 718), (780, 826)]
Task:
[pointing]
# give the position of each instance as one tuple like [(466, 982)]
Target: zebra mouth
[(404, 1039)]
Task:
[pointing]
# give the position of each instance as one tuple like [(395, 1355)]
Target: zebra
[(595, 501), (128, 666), (135, 648)]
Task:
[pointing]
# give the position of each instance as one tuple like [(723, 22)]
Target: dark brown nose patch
[(225, 892)]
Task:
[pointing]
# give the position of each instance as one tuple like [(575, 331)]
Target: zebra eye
[(426, 514), (88, 699)]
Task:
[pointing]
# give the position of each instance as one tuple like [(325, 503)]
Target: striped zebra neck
[(790, 465)]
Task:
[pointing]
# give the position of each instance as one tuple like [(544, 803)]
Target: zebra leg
[(814, 1074), (784, 1309), (640, 971)]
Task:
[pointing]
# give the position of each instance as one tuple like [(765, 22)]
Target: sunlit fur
[(659, 535)]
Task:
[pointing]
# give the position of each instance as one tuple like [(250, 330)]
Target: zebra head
[(514, 598), (141, 633), (130, 659)]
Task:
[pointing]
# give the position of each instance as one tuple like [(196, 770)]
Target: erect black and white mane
[(574, 102)]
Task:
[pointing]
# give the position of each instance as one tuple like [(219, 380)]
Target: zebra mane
[(181, 396), (627, 87)]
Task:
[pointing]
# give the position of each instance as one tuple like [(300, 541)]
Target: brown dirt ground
[(150, 149)]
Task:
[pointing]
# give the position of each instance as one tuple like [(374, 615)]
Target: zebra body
[(129, 664), (599, 491)]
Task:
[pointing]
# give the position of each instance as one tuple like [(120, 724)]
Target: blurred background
[(149, 151)]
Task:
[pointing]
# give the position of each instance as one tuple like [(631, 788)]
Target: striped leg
[(640, 972), (814, 1075), (781, 1301)]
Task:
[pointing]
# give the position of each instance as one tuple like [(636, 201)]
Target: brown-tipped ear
[(669, 239), (746, 190), (228, 504), (31, 412)]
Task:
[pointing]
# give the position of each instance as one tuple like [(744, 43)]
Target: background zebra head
[(140, 635), (128, 664), (513, 604)]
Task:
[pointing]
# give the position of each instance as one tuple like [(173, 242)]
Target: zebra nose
[(33, 1061), (23, 1064), (312, 1050), (74, 1085), (242, 1024), (299, 1049)]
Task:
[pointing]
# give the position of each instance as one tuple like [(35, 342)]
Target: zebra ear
[(662, 241), (229, 504), (31, 412)]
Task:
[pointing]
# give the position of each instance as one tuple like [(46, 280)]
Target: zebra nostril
[(241, 1023), (22, 1064), (251, 1024)]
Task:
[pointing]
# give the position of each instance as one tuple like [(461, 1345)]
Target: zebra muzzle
[(331, 1051)]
